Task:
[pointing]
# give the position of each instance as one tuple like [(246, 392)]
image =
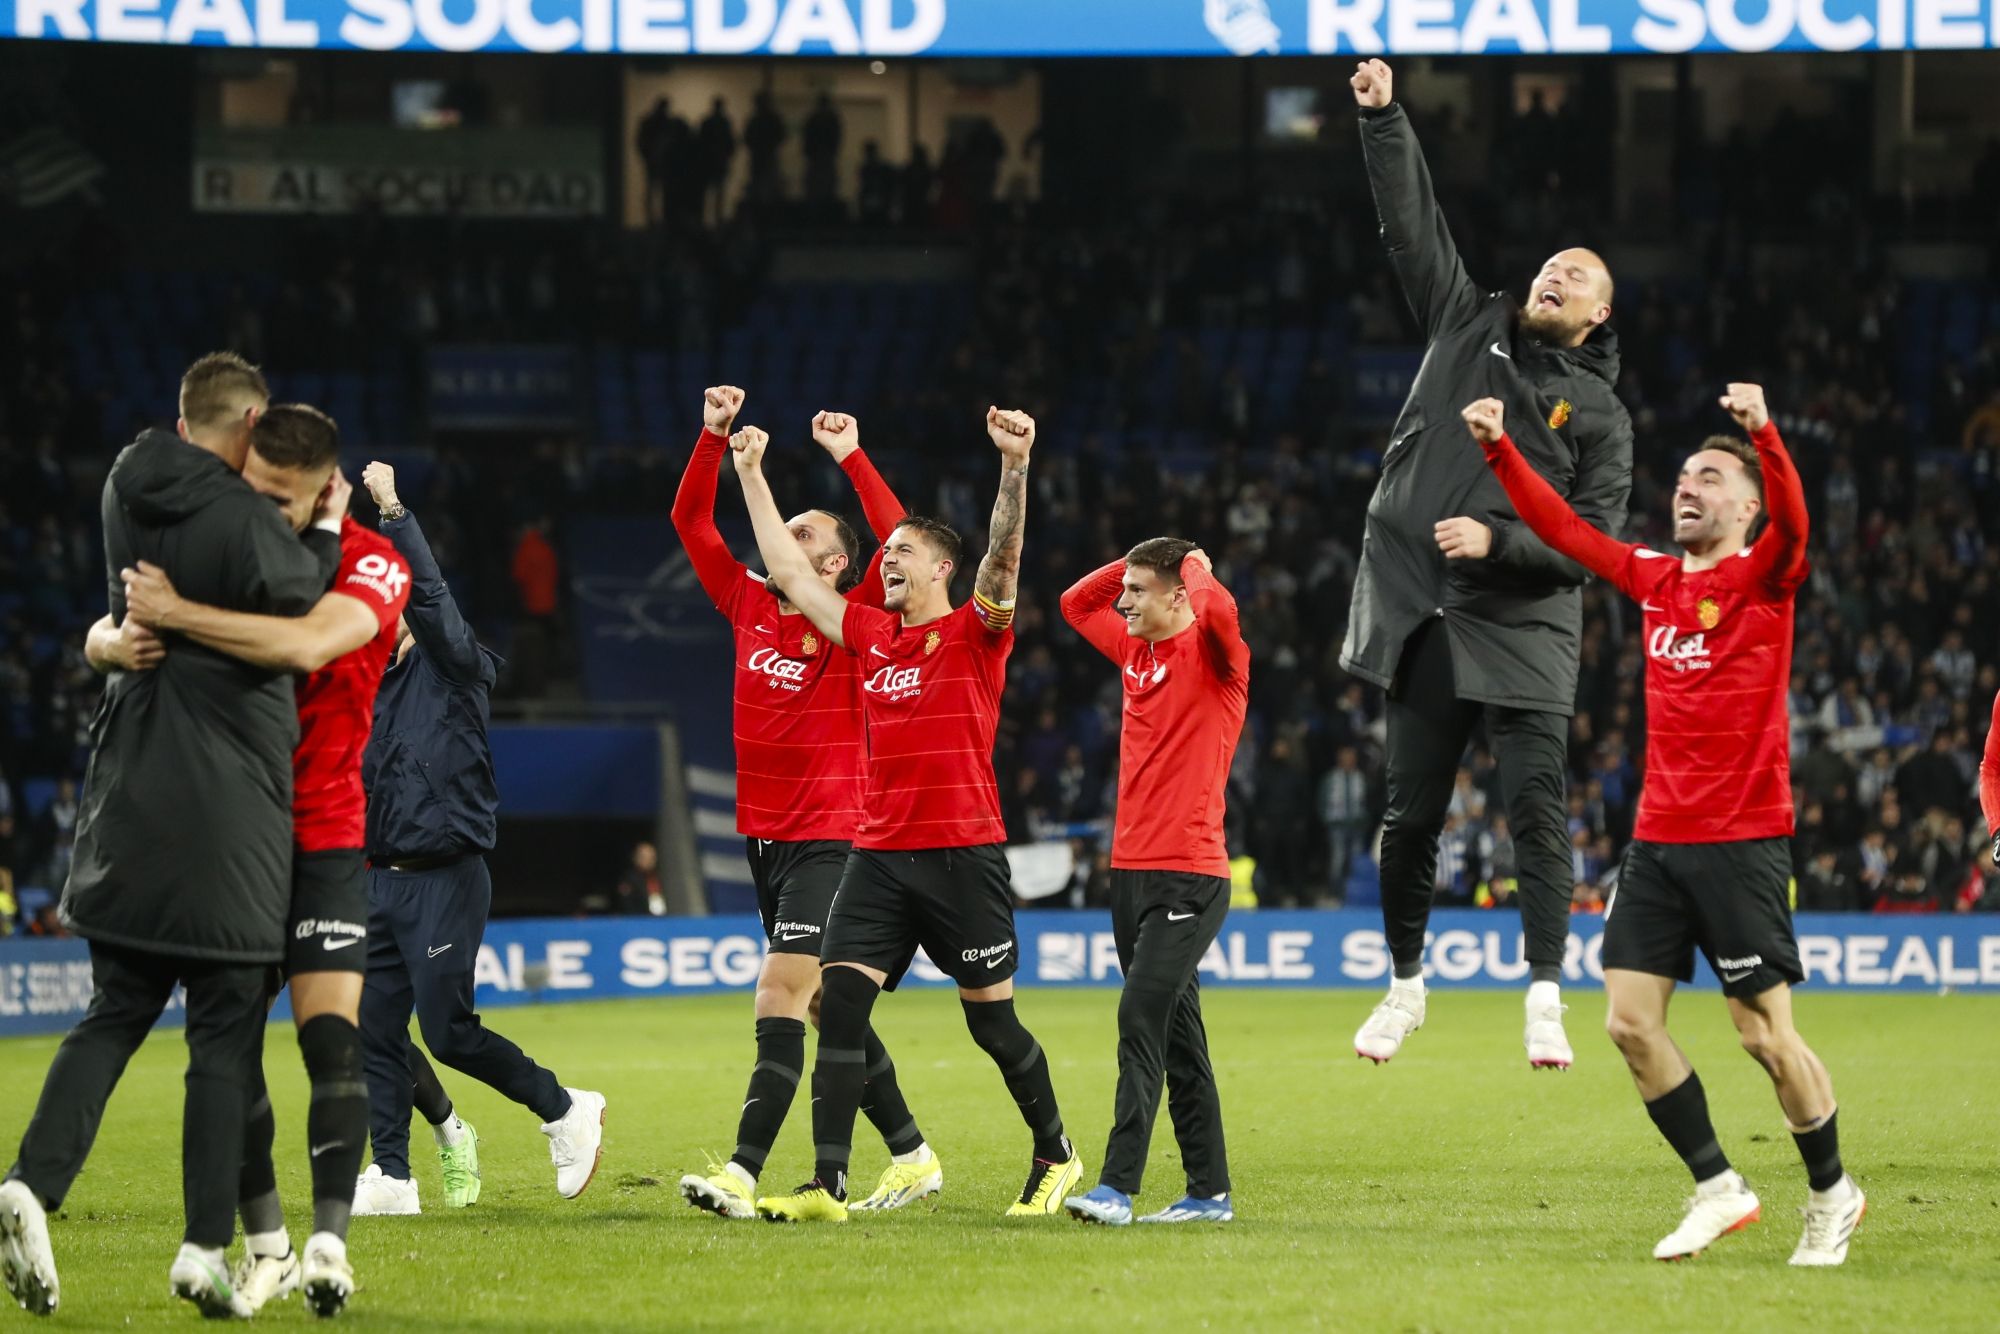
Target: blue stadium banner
[(501, 387), (1023, 27), (45, 984)]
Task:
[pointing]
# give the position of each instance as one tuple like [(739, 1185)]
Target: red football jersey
[(1185, 697), (931, 697), (1718, 656), (797, 717), (337, 702)]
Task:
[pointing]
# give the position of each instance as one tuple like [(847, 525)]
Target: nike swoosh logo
[(1498, 353), (1650, 607), (746, 1106), (343, 944), (765, 629), (1179, 916), (319, 1149), (433, 953), (799, 936), (877, 652), (995, 963), (1733, 978)]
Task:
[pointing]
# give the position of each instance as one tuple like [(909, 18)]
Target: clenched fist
[(1485, 417), (1013, 432), (1745, 402), (837, 433), (1373, 84), (719, 407), (380, 479), (1463, 539), (747, 447)]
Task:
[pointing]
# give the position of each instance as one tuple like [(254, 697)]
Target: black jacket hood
[(161, 478)]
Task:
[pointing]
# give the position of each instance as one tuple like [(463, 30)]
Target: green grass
[(1453, 1190)]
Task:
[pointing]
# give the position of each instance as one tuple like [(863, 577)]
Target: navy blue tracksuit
[(432, 801)]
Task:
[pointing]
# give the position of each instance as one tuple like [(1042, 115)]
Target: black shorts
[(796, 883), (329, 917), (958, 903), (1732, 900)]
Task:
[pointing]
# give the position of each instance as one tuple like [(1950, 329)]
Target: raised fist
[(1484, 416), (1373, 84), (1013, 432), (719, 407), (747, 445), (380, 479), (1745, 402), (837, 433)]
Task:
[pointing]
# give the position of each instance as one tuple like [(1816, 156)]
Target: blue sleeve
[(436, 623)]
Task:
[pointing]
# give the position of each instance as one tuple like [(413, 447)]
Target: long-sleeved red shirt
[(1185, 697), (1989, 773), (799, 756), (1718, 655)]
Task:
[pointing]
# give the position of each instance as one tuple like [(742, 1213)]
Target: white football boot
[(1716, 1209), (1400, 1014)]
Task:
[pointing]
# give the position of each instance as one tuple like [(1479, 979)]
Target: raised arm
[(1989, 780), (1545, 512), (1599, 495), (840, 436), (785, 562), (1091, 606), (337, 624), (694, 503), (1215, 617), (1013, 433), (1414, 233), (435, 621), (1779, 555)]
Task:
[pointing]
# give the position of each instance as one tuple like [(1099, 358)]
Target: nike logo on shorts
[(437, 950), (800, 936), (1179, 916), (995, 963), (1733, 978), (341, 944)]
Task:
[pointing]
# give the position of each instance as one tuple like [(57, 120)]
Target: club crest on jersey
[(931, 641), (1559, 415), (1708, 611), (809, 643)]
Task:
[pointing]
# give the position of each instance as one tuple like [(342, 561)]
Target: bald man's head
[(1570, 297)]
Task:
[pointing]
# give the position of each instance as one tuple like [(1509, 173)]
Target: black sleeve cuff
[(1376, 113)]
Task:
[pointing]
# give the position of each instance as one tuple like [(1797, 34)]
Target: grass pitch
[(1453, 1190)]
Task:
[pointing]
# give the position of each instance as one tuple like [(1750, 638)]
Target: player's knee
[(331, 1047), (846, 1000), (997, 1029), (1144, 1008), (1633, 1032), (786, 998), (450, 1039), (1766, 1045)]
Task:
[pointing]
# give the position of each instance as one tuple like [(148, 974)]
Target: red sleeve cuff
[(709, 437)]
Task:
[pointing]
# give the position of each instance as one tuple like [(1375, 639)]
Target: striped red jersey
[(337, 702), (797, 718), (931, 697), (1185, 698), (1718, 646)]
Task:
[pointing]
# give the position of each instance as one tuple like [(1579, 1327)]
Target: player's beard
[(1559, 326)]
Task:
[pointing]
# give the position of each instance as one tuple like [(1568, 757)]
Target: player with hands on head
[(1709, 866), (928, 866), (799, 788), (1461, 613)]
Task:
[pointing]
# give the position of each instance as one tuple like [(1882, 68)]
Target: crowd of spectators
[(1098, 329)]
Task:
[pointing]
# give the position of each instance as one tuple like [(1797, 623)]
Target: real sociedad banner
[(45, 984), (1022, 27)]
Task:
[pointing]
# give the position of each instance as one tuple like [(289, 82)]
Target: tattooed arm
[(1000, 571)]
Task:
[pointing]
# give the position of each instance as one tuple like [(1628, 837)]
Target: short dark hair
[(843, 533), (1161, 555), (215, 389), (293, 435), (938, 535)]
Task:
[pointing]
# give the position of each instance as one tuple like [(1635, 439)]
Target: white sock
[(1541, 995), (1720, 1182), (276, 1245), (449, 1132), (920, 1154), (1412, 984), (742, 1173), (1843, 1191)]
